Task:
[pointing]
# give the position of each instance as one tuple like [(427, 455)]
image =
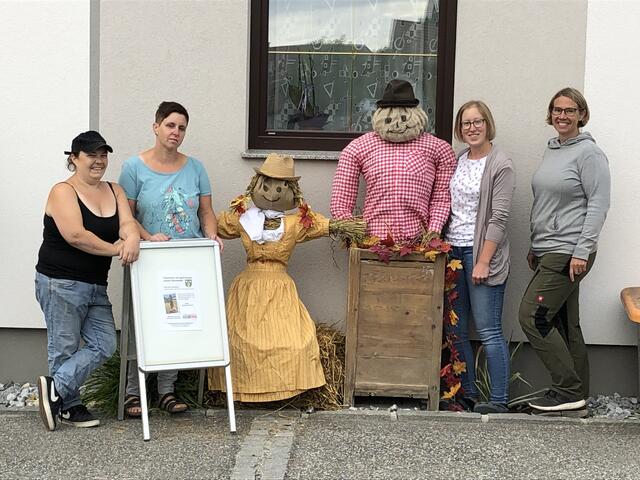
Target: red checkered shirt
[(407, 184)]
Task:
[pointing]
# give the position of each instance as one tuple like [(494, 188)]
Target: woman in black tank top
[(86, 222)]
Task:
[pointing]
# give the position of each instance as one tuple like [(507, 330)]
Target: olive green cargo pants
[(549, 316)]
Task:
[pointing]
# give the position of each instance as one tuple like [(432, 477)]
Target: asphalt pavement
[(349, 444)]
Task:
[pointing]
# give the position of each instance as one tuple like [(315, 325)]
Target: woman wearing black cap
[(86, 222)]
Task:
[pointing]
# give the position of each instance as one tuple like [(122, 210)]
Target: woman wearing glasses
[(481, 192), (570, 202)]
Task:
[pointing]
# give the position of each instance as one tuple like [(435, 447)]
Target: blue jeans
[(73, 311), (484, 303)]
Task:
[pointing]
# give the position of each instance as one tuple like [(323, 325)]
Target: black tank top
[(58, 259)]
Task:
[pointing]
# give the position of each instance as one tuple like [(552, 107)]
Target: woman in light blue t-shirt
[(170, 196)]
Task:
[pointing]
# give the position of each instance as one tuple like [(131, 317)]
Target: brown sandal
[(132, 406), (169, 403)]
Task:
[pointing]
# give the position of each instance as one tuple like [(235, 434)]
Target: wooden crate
[(394, 327)]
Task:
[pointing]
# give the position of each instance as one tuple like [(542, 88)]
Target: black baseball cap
[(88, 142)]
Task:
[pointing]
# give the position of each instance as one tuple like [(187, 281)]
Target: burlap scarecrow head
[(398, 117), (275, 185)]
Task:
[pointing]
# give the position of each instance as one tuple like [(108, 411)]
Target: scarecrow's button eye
[(387, 120), (403, 118), (279, 189), (264, 187)]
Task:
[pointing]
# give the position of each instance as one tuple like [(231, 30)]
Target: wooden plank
[(389, 390), (394, 340), (436, 332), (366, 254), (351, 338), (379, 278), (393, 370), (393, 309)]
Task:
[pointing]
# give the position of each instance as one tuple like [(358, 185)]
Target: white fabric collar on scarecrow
[(253, 223)]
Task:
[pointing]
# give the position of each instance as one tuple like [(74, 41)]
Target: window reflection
[(329, 60)]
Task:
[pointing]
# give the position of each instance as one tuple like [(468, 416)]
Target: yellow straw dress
[(272, 338)]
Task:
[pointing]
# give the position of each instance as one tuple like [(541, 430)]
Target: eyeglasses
[(466, 125), (569, 112)]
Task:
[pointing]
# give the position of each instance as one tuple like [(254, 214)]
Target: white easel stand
[(142, 377)]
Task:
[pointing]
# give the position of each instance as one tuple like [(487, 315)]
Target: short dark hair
[(576, 97), (167, 108)]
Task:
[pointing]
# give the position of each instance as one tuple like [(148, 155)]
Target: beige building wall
[(512, 54), (515, 55), (45, 103), (612, 69), (196, 53)]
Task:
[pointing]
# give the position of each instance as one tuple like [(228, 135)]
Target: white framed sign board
[(179, 312)]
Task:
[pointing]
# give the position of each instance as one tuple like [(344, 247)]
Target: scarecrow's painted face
[(399, 124), (273, 194)]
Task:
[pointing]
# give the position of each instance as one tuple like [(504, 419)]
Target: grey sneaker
[(50, 402), (79, 416), (556, 402)]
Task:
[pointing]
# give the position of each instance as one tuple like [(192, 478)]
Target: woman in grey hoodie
[(570, 202), (481, 192)]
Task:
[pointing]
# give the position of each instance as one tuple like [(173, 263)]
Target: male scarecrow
[(406, 171)]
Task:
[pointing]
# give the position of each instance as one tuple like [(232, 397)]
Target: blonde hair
[(575, 96), (484, 111)]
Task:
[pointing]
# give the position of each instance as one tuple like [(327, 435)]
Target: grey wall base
[(613, 369), (23, 356)]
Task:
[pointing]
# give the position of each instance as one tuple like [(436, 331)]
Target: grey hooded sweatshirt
[(570, 197)]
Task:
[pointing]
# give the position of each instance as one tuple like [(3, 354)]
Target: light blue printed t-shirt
[(166, 202)]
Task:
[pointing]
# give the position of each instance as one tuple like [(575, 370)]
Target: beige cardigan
[(496, 191)]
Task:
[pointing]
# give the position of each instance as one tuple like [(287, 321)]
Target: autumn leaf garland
[(451, 372)]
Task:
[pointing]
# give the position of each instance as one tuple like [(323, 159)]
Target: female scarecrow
[(272, 338)]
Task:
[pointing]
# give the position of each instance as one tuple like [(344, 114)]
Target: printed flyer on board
[(180, 292)]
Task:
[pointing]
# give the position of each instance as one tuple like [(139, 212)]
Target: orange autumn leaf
[(453, 318), (239, 204), (370, 242), (452, 391), (459, 367), (431, 255), (455, 264)]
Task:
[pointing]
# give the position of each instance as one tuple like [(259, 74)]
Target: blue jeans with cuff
[(483, 303), (75, 311)]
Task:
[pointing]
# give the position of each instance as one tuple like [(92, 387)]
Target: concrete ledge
[(296, 154), (400, 414)]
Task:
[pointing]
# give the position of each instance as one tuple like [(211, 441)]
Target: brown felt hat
[(398, 93), (278, 166)]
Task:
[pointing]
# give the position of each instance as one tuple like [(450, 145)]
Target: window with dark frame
[(317, 67)]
